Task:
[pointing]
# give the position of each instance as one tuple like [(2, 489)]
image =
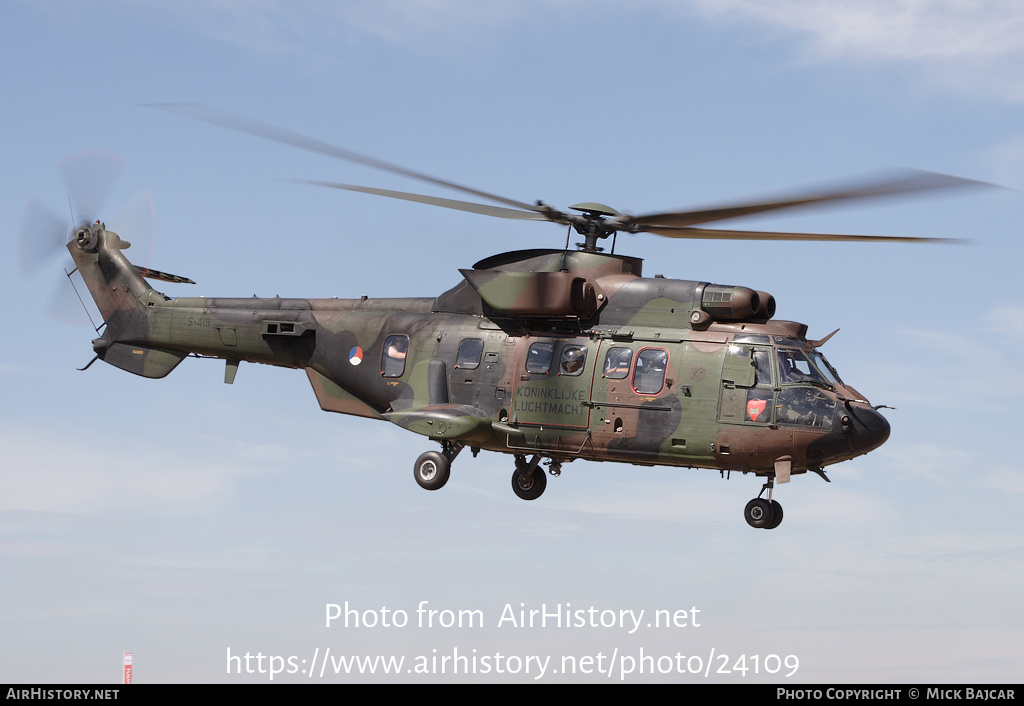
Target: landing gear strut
[(528, 480), (433, 468), (763, 513)]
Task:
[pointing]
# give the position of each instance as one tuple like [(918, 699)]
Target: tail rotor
[(44, 232)]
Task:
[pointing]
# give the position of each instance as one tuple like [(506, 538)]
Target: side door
[(748, 388), (553, 380), (636, 409), (476, 373)]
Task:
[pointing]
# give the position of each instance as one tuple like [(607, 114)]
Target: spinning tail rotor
[(43, 234)]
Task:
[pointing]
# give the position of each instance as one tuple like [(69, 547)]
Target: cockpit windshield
[(795, 367), (827, 370)]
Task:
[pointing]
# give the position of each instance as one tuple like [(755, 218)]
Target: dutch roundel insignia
[(355, 356)]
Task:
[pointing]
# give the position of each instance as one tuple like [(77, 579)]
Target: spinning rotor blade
[(602, 223), (718, 234), (214, 116), (496, 211), (907, 182), (43, 233), (89, 178), (136, 222), (41, 236)]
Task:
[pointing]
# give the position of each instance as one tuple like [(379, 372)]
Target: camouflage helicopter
[(550, 355)]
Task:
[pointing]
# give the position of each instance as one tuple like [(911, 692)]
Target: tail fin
[(123, 298)]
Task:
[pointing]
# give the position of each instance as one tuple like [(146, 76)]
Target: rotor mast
[(592, 224)]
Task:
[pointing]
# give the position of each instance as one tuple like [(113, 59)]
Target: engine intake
[(724, 303)]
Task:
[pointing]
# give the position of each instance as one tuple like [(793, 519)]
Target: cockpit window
[(763, 366), (795, 368), (752, 338), (827, 370), (805, 406)]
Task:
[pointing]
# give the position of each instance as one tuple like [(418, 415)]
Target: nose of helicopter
[(868, 428)]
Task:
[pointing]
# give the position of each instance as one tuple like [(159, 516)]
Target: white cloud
[(1007, 321), (1007, 480), (47, 472), (936, 462), (311, 28), (970, 44), (904, 29)]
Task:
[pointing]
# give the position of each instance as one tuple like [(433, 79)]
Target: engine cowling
[(546, 295), (720, 302), (725, 303)]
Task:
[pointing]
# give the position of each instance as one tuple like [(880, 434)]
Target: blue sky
[(183, 518)]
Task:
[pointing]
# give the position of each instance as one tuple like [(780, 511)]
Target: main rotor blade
[(215, 116), (906, 182), (486, 210), (718, 234)]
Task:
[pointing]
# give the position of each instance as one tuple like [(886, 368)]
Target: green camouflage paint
[(544, 353)]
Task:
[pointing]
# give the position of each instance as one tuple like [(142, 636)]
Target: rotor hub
[(88, 237), (594, 224)]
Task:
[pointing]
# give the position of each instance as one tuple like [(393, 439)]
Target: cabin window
[(616, 363), (538, 359), (573, 358), (470, 351), (649, 375), (392, 359)]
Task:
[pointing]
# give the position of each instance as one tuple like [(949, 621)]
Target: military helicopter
[(550, 355)]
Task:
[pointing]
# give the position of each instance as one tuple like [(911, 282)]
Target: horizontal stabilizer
[(157, 274)]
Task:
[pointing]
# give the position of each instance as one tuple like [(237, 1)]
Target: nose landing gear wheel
[(776, 515), (763, 514), (757, 513), (431, 470)]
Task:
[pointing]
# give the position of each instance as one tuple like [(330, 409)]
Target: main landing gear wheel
[(431, 470), (763, 514), (528, 480), (530, 487)]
